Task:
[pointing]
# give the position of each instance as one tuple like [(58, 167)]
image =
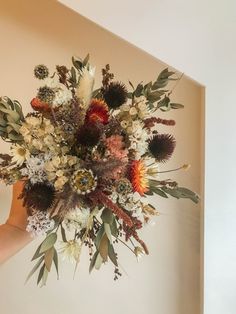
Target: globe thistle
[(162, 146), (83, 181), (89, 135), (115, 95), (39, 197), (46, 94), (41, 72)]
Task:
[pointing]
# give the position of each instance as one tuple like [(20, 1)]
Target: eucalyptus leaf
[(37, 253), (107, 216), (48, 258), (48, 242), (112, 254), (36, 266), (159, 192), (108, 231), (93, 260), (55, 260), (63, 234), (176, 106), (98, 262), (103, 247), (114, 229), (40, 274), (44, 277), (99, 236)]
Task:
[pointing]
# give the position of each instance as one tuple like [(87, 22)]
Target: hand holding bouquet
[(88, 159)]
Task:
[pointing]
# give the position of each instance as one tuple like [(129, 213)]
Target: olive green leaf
[(93, 260), (48, 258), (36, 266), (48, 242)]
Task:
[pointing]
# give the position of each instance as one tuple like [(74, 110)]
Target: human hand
[(18, 214)]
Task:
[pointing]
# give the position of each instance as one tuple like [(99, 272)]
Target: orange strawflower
[(39, 105), (139, 176)]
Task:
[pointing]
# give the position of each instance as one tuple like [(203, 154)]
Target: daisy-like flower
[(19, 154), (71, 250), (39, 223), (140, 173)]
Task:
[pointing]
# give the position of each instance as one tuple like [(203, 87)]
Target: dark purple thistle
[(162, 146)]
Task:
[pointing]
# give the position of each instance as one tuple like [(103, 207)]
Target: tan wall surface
[(166, 282)]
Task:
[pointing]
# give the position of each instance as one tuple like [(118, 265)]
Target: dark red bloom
[(97, 112)]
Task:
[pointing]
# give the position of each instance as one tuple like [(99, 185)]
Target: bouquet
[(89, 159)]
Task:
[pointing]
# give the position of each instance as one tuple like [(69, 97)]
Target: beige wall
[(166, 282)]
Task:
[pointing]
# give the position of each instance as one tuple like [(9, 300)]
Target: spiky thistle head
[(38, 196), (162, 146), (115, 95)]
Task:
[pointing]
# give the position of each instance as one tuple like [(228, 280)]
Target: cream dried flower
[(86, 83), (19, 154), (70, 250)]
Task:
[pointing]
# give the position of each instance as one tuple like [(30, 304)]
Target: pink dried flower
[(116, 147)]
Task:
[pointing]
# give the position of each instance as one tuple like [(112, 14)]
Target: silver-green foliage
[(11, 118)]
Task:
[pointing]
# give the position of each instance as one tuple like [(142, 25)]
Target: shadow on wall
[(59, 26)]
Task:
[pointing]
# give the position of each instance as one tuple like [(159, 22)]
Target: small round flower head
[(162, 146), (89, 135), (115, 95), (41, 72), (83, 181), (46, 94), (123, 186), (39, 196)]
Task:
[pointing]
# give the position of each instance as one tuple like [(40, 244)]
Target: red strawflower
[(97, 112)]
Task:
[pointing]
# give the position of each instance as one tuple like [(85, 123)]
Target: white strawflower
[(62, 94), (19, 154), (39, 224), (77, 219), (86, 83)]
